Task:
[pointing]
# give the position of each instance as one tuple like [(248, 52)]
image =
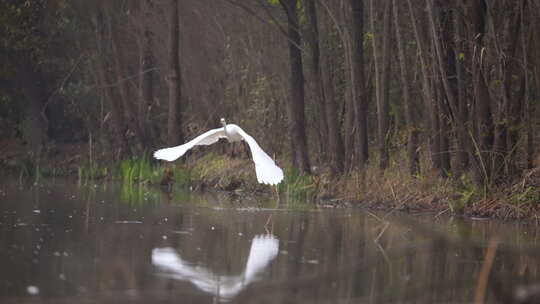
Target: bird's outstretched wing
[(264, 248), (207, 138), (265, 167)]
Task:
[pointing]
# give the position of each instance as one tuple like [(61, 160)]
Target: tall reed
[(296, 186)]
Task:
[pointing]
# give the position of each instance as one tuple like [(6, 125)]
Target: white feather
[(173, 153), (265, 168)]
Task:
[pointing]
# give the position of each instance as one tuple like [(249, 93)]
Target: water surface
[(61, 243)]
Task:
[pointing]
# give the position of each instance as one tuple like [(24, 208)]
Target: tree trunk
[(463, 125), (327, 113), (358, 81), (35, 124), (174, 80), (484, 124), (349, 108), (439, 140), (428, 94), (483, 137), (412, 130), (447, 101), (509, 118), (299, 144), (382, 102), (527, 97), (127, 105), (335, 141), (117, 117), (146, 79), (319, 96)]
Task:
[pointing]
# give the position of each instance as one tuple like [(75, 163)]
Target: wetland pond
[(63, 243)]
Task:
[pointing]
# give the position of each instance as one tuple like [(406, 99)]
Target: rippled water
[(60, 243)]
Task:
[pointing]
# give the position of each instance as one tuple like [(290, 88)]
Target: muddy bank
[(395, 190)]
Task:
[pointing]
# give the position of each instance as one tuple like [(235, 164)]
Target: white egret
[(265, 167), (264, 248)]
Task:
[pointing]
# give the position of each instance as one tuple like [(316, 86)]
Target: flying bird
[(266, 169)]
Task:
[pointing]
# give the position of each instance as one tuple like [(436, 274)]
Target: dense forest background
[(450, 87)]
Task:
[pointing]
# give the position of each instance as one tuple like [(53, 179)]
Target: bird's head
[(223, 123)]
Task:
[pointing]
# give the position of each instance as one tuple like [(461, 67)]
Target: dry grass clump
[(224, 172), (517, 200), (395, 188), (371, 188)]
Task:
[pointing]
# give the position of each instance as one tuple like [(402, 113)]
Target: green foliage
[(296, 186), (302, 18), (529, 195), (38, 47), (90, 172), (140, 171), (27, 168), (138, 177), (468, 192), (138, 195), (137, 170), (181, 175), (31, 168), (208, 164), (135, 174), (368, 39), (31, 28)]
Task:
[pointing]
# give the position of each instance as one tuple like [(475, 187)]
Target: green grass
[(528, 195), (85, 174), (181, 175), (467, 193), (137, 174), (139, 194), (296, 186), (136, 170)]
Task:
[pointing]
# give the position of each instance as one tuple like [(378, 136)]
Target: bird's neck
[(226, 129)]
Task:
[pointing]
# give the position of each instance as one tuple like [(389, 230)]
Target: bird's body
[(232, 134), (265, 167)]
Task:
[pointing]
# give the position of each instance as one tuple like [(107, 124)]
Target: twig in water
[(394, 194), (268, 221), (376, 217), (483, 277), (442, 212), (381, 233)]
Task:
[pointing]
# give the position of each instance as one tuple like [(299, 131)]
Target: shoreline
[(518, 199)]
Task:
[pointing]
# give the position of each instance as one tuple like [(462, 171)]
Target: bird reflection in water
[(264, 248)]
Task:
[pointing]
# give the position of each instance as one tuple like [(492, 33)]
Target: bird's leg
[(269, 221), (276, 191), (232, 150)]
